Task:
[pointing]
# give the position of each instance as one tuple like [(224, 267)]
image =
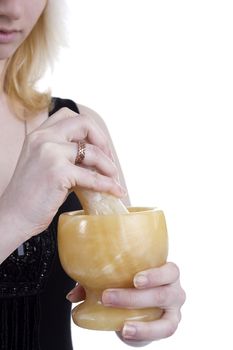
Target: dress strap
[(58, 103)]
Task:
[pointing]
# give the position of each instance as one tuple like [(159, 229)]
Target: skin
[(49, 150), (162, 289), (20, 16)]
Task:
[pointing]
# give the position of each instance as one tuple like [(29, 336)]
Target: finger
[(166, 274), (61, 114), (92, 180), (82, 128), (76, 294), (155, 330), (70, 126), (163, 297), (94, 157), (97, 159)]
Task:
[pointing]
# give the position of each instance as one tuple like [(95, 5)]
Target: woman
[(39, 168)]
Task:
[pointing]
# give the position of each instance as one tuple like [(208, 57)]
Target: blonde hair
[(32, 59)]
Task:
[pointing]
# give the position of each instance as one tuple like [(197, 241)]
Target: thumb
[(76, 294)]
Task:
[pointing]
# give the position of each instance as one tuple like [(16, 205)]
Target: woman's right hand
[(45, 172)]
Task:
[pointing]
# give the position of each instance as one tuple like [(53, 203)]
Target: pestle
[(96, 203)]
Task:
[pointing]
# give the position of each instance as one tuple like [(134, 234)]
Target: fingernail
[(129, 331), (69, 296), (140, 281), (109, 298)]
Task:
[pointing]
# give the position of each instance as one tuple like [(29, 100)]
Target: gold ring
[(81, 152)]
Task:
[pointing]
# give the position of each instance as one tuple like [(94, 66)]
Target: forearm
[(12, 231)]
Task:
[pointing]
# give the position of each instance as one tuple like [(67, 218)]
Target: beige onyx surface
[(106, 251)]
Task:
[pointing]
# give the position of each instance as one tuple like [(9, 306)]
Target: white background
[(160, 73)]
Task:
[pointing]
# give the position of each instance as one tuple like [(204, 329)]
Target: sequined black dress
[(34, 312)]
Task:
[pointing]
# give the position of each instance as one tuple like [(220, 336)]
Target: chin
[(6, 53)]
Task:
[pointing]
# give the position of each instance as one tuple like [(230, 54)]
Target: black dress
[(34, 312)]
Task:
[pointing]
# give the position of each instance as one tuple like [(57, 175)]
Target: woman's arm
[(46, 172), (161, 286), (12, 229)]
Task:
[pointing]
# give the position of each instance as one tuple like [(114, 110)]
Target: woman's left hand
[(156, 287)]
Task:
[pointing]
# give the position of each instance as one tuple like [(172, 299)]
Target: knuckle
[(132, 299), (47, 151), (67, 112), (40, 147), (175, 269), (47, 146), (84, 119), (64, 110), (95, 181), (104, 163), (129, 300), (84, 125), (100, 182), (161, 296), (176, 295), (96, 154), (182, 296), (171, 328)]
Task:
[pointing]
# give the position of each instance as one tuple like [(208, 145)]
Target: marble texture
[(106, 251)]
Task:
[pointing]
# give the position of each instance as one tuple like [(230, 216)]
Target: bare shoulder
[(94, 115)]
